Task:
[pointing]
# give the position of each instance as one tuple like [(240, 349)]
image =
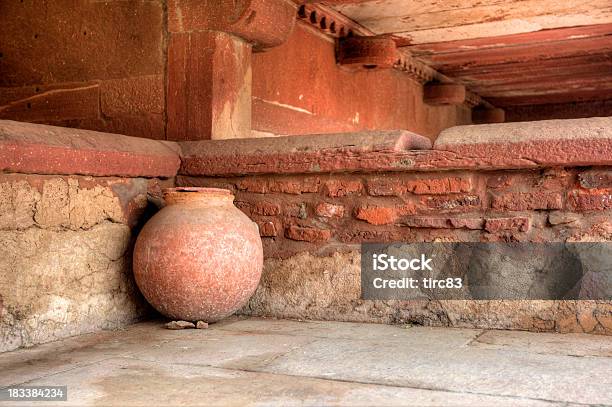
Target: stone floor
[(280, 362)]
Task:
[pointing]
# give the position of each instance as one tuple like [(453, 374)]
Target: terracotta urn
[(199, 258)]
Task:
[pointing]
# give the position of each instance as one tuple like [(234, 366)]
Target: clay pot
[(200, 257)]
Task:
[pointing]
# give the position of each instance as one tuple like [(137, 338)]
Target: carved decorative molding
[(376, 52), (330, 22)]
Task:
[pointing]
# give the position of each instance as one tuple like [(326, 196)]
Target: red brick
[(295, 186), (436, 186), (267, 229), (329, 210), (563, 218), (499, 181), (458, 203), (338, 188), (592, 200), (377, 215), (307, 234), (296, 210), (521, 224), (266, 209), (432, 186), (444, 223), (385, 187), (555, 179), (256, 185), (526, 201), (595, 179)]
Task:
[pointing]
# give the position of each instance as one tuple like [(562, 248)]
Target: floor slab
[(286, 363)]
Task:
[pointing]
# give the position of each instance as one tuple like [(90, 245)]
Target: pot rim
[(199, 190)]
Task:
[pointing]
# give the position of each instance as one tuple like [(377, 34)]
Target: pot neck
[(201, 197)]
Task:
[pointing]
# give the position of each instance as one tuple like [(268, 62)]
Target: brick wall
[(311, 226), (547, 181), (314, 210)]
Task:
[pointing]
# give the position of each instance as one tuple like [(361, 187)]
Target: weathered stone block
[(338, 188), (209, 86), (307, 234), (552, 143), (595, 200), (39, 149), (519, 223), (527, 201), (329, 210), (596, 178), (300, 154)]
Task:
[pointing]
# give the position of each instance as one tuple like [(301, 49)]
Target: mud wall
[(66, 240)]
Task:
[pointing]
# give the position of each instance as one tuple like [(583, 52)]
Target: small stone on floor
[(180, 325), (202, 325)]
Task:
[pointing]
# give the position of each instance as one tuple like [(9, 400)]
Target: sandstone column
[(209, 63)]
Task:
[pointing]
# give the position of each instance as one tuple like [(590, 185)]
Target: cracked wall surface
[(328, 287), (65, 256)]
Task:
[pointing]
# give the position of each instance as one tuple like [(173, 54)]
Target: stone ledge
[(297, 154), (546, 143), (39, 149), (552, 143)]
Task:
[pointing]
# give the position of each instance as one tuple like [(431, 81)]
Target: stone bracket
[(263, 23)]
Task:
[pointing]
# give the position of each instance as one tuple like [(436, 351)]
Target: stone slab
[(546, 343), (312, 153), (558, 379), (40, 149), (571, 142), (280, 362), (47, 359), (568, 143), (130, 382), (356, 331)]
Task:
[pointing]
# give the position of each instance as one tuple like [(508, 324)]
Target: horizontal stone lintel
[(40, 149), (550, 143)]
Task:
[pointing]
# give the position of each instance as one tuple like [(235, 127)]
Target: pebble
[(180, 325), (202, 325)]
